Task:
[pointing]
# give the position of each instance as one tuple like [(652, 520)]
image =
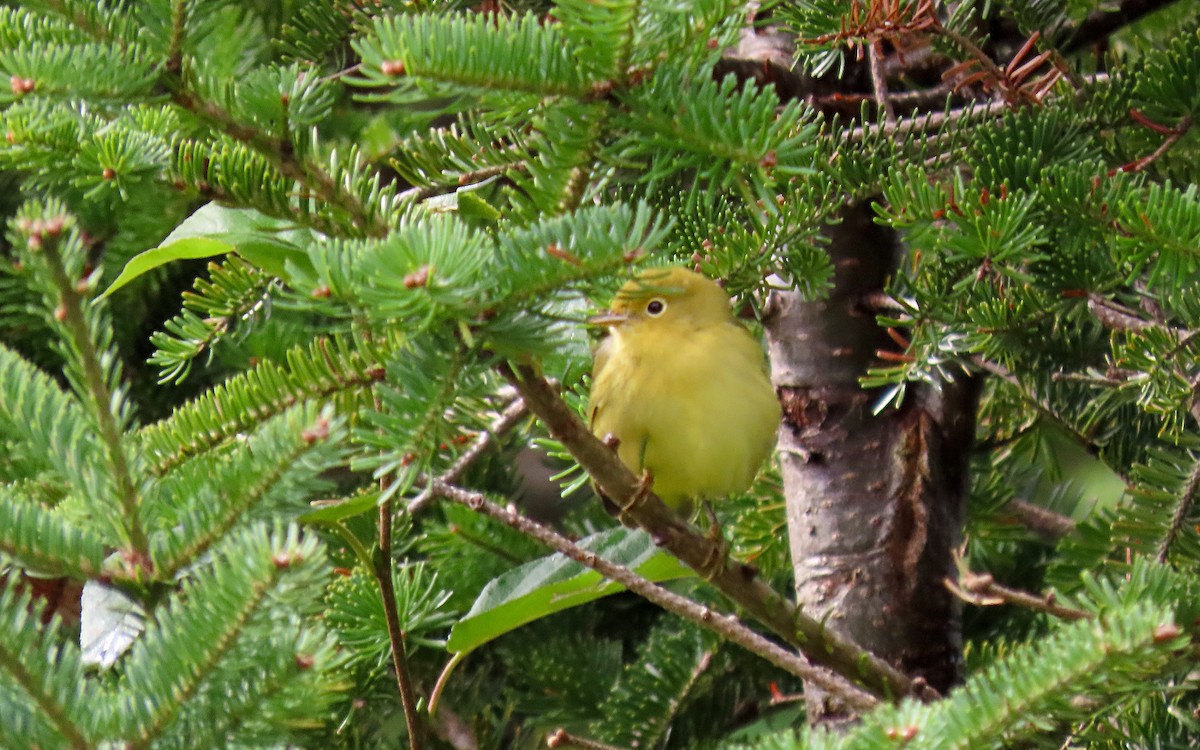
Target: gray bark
[(875, 503)]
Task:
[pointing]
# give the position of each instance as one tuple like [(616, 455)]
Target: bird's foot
[(641, 492), (718, 556)]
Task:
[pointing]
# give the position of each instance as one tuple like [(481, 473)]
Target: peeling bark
[(875, 502)]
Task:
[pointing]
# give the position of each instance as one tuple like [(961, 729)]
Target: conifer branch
[(1044, 407), (187, 685), (45, 236), (253, 397), (178, 25), (737, 581), (281, 153), (247, 496), (1187, 500), (54, 711), (726, 626)]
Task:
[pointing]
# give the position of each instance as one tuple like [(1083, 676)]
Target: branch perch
[(736, 580), (725, 626)]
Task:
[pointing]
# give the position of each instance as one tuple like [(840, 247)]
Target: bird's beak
[(607, 319)]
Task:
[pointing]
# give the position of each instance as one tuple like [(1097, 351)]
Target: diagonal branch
[(725, 626), (705, 555), (1187, 500)]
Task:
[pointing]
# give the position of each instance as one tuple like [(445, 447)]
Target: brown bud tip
[(319, 430), (285, 98), (769, 160), (304, 661), (392, 67), (407, 459), (343, 572), (556, 738), (713, 43), (902, 733), (60, 313), (109, 173), (321, 292), (1168, 632), (378, 372), (419, 277), (282, 560), (10, 136), (20, 85), (602, 88), (53, 226), (630, 256), (82, 286)]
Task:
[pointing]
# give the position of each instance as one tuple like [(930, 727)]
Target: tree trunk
[(875, 502)]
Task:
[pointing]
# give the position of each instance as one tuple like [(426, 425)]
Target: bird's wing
[(599, 361)]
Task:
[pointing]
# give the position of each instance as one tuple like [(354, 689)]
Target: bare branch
[(982, 590)]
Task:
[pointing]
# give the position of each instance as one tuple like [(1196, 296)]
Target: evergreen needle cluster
[(266, 264)]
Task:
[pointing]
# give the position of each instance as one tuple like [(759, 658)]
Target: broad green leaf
[(189, 249), (351, 507), (552, 584), (212, 230)]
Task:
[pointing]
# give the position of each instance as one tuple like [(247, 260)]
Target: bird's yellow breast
[(691, 404)]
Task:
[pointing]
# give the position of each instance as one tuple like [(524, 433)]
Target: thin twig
[(705, 555), (1173, 136), (879, 82), (505, 422), (387, 590), (982, 590), (1115, 316), (929, 121), (563, 738), (725, 626), (1042, 521), (418, 194)]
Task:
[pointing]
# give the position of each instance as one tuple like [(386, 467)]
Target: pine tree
[(288, 290)]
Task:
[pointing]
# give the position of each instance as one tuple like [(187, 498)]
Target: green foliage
[(398, 196)]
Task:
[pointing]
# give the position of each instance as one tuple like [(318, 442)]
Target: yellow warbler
[(683, 386)]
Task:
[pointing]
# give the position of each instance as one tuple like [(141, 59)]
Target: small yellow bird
[(683, 386)]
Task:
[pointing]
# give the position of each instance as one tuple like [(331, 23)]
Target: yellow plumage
[(683, 386)]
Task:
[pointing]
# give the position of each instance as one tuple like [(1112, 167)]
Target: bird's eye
[(656, 307)]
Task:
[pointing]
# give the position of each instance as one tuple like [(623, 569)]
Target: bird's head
[(665, 296)]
